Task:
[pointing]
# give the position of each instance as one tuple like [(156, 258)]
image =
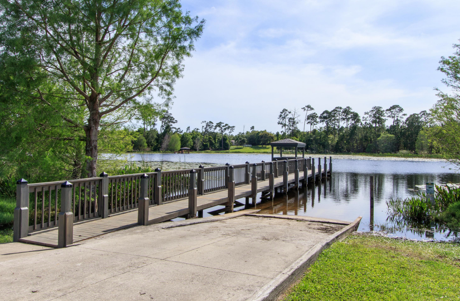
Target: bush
[(451, 218), (174, 143), (386, 143), (140, 143)]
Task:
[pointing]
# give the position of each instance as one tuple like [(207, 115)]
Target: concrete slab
[(229, 257)]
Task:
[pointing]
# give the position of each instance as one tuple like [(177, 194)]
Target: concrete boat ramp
[(237, 256)]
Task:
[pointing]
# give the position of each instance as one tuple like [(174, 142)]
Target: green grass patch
[(364, 267), (6, 235), (7, 206), (399, 155)]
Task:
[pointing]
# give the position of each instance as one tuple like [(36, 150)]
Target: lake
[(346, 195)]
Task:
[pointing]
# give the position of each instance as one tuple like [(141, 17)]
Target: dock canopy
[(287, 144)]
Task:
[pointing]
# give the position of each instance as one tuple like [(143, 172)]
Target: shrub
[(386, 143), (451, 218)]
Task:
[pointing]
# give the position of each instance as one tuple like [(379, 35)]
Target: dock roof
[(288, 143)]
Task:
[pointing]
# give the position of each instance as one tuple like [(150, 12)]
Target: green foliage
[(374, 268), (174, 143), (7, 206), (420, 212), (226, 143), (422, 144), (371, 148), (87, 63), (186, 140), (6, 236), (386, 143), (140, 144)]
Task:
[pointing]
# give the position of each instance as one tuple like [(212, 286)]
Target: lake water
[(346, 195)]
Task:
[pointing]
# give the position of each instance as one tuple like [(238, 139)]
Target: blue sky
[(257, 57)]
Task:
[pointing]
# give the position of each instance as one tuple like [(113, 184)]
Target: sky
[(257, 57)]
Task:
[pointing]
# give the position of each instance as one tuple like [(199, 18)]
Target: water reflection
[(348, 197)]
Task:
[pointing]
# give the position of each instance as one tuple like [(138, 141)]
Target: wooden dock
[(157, 214)]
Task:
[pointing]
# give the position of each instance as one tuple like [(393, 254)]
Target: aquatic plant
[(420, 212)]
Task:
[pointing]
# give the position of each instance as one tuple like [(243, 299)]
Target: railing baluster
[(49, 206), (43, 209), (56, 205), (35, 208), (79, 202)]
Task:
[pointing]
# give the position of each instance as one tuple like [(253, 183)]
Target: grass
[(6, 235), (365, 267), (7, 206), (260, 149)]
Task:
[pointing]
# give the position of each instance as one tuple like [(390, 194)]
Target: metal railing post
[(158, 196), (231, 190), (103, 205), (192, 195), (21, 212), (144, 202), (65, 221)]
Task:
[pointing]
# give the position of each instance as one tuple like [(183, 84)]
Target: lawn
[(365, 267)]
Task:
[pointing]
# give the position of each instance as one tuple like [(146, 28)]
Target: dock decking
[(157, 214)]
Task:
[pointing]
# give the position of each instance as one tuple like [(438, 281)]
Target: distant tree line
[(211, 136), (340, 130)]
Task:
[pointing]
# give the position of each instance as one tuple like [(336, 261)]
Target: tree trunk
[(92, 133)]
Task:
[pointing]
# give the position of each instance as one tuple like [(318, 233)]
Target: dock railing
[(39, 205)]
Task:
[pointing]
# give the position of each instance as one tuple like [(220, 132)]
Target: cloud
[(257, 57)]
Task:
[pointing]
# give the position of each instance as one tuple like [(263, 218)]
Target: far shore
[(358, 156)]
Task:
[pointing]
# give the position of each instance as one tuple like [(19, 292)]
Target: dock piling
[(305, 172), (271, 181), (320, 175), (254, 184), (263, 178), (247, 173), (313, 170), (286, 177), (296, 174), (371, 222)]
